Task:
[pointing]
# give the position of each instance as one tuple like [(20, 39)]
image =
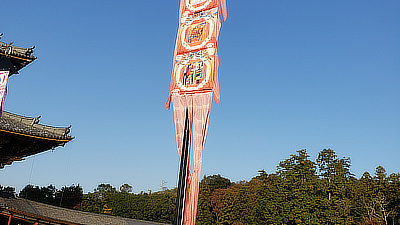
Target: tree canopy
[(301, 191), (67, 197)]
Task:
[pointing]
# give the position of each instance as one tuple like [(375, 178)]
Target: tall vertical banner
[(194, 82), (3, 88)]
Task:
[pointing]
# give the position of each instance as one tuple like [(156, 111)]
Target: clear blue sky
[(293, 74)]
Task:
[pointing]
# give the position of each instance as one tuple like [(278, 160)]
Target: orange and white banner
[(193, 72), (194, 81), (197, 31), (196, 60)]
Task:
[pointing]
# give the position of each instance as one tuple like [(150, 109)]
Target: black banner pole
[(183, 173)]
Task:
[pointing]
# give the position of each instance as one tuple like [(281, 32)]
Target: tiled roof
[(22, 136), (20, 57), (51, 213), (30, 126)]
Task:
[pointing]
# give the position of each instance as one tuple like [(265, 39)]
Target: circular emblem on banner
[(192, 75), (197, 33)]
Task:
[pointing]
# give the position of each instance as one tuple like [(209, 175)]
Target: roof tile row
[(61, 214), (30, 126)]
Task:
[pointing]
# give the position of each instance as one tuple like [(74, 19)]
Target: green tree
[(272, 205), (69, 197), (157, 207), (394, 197), (374, 198), (235, 204), (126, 188), (381, 201), (301, 191), (299, 175), (9, 190), (39, 194), (97, 201), (206, 213), (336, 181)]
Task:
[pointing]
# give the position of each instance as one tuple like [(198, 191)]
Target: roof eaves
[(29, 126)]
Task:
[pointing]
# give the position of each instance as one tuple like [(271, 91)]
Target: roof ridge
[(30, 125), (17, 51)]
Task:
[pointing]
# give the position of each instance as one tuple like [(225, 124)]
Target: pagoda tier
[(19, 57), (22, 136)]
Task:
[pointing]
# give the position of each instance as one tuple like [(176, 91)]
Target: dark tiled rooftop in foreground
[(57, 215)]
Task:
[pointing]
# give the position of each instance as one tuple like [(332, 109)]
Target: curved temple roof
[(22, 136), (29, 126), (20, 57)]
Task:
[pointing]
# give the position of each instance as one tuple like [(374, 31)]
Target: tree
[(301, 191), (9, 190), (336, 180), (382, 196), (205, 212), (394, 197), (157, 207), (376, 203), (126, 188), (97, 201), (380, 174), (272, 205), (301, 184), (35, 193), (69, 197)]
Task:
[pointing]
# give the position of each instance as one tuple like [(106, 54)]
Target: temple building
[(22, 136)]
